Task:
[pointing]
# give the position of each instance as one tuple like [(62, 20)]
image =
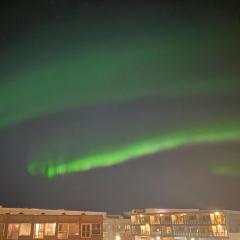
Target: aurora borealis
[(224, 133), (114, 100)]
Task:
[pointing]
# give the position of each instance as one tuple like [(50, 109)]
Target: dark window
[(96, 229)]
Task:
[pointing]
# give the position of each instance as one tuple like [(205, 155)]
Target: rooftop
[(34, 211)]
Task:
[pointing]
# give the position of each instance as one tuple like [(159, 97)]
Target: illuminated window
[(25, 229), (13, 230), (96, 229), (62, 231), (144, 219), (86, 230), (219, 231), (73, 229), (145, 229), (38, 231), (135, 219), (50, 229)]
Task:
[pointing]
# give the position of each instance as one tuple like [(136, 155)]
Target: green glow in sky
[(212, 134), (227, 169), (111, 69)]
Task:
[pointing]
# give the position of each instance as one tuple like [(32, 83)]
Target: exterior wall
[(197, 225), (89, 227), (117, 228), (234, 236)]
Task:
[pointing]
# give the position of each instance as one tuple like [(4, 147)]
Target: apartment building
[(116, 227), (185, 224), (41, 224)]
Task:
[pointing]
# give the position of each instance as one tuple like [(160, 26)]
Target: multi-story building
[(182, 224), (116, 227), (40, 224)]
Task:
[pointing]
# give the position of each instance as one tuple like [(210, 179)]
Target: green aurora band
[(211, 134), (112, 70)]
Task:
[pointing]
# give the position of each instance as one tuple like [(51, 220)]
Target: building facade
[(116, 227), (29, 224), (182, 224)]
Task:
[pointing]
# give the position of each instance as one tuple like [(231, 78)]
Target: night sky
[(114, 106)]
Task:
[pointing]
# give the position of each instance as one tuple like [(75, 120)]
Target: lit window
[(13, 230), (25, 229), (50, 229), (145, 229), (155, 219), (96, 229), (38, 231), (86, 230)]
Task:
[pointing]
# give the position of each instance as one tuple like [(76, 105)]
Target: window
[(155, 219), (178, 219), (193, 231), (136, 229), (205, 219), (219, 231), (144, 219), (127, 228), (166, 230), (62, 231), (156, 229), (96, 229), (135, 219), (25, 229), (166, 219), (73, 229), (192, 219), (1, 230), (145, 229), (50, 229), (13, 230), (205, 231), (38, 230), (86, 230)]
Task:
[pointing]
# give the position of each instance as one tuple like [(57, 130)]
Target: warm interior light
[(118, 237)]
